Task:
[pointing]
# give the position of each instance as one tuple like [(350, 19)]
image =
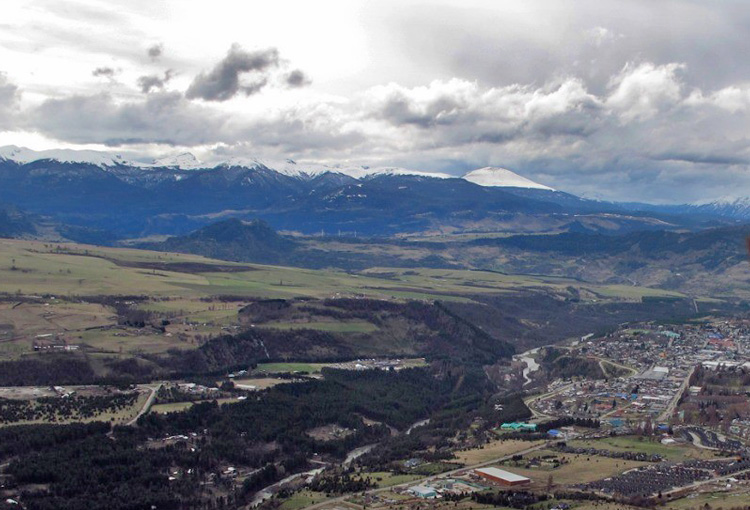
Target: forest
[(91, 466)]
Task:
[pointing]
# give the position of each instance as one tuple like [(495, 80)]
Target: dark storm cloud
[(106, 72), (296, 79), (223, 81), (154, 82), (155, 52)]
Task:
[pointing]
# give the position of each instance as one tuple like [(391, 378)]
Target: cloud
[(599, 36), (296, 79), (223, 81), (107, 72), (162, 118), (645, 135), (169, 118), (155, 52), (640, 92), (152, 82), (458, 112), (9, 97)]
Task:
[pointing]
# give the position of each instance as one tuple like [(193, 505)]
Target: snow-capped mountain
[(188, 161), (184, 161), (731, 207), (22, 155), (493, 176), (127, 197)]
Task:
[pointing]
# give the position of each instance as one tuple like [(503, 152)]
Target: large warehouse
[(502, 476)]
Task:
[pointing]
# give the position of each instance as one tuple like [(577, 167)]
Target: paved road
[(147, 406), (704, 482), (632, 370), (673, 403), (537, 414), (427, 479)]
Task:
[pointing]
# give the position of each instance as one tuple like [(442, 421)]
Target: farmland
[(65, 269)]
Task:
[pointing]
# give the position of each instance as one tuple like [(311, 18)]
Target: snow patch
[(502, 177)]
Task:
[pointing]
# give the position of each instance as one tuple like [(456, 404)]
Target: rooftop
[(502, 474)]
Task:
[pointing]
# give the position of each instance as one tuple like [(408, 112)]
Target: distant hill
[(255, 241), (15, 223), (398, 329), (234, 240)]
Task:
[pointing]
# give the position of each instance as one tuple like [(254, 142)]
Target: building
[(423, 492), (515, 426), (501, 476)]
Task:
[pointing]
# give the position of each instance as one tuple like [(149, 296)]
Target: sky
[(620, 100)]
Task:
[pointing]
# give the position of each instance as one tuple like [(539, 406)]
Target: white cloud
[(640, 92), (601, 35), (582, 93)]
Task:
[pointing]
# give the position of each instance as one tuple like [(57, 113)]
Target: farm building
[(502, 476)]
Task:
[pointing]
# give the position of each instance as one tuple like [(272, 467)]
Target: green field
[(387, 479), (183, 288), (302, 499), (287, 368), (33, 267), (181, 406)]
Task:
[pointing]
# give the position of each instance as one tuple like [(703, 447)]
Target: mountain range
[(120, 198)]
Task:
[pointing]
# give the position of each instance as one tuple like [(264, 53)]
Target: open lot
[(493, 450), (674, 452), (578, 469)]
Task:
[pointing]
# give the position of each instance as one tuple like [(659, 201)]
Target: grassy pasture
[(39, 268)]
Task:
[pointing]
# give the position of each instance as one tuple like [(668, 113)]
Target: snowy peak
[(732, 207), (297, 169), (502, 178), (184, 161), (23, 155)]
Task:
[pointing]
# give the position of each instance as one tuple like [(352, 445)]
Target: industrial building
[(516, 426), (421, 491), (501, 476)]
